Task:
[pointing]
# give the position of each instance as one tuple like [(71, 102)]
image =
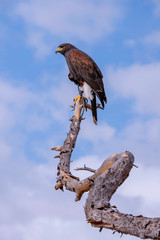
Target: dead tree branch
[(101, 186), (85, 168)]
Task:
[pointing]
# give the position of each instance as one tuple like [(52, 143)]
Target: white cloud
[(130, 42), (66, 20), (148, 131), (17, 96), (4, 33), (30, 207), (157, 7), (36, 40), (56, 228), (138, 82), (141, 137), (153, 39), (143, 183), (6, 150), (144, 180), (24, 112), (37, 109), (50, 228), (97, 134)]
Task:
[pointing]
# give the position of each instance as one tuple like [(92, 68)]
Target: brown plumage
[(83, 71)]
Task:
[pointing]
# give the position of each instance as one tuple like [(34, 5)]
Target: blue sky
[(123, 37)]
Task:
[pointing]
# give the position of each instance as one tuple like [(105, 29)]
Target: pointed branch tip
[(59, 148)]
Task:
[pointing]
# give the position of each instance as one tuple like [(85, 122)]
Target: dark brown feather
[(83, 68)]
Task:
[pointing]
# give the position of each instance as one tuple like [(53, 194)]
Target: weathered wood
[(73, 183), (139, 226), (85, 169), (99, 212), (101, 186), (67, 148), (59, 148)]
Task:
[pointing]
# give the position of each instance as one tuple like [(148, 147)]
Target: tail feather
[(94, 108), (102, 97)]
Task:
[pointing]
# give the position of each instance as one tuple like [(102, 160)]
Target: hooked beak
[(59, 49)]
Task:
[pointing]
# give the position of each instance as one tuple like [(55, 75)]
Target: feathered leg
[(80, 95)]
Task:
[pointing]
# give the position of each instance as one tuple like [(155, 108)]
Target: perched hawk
[(84, 72)]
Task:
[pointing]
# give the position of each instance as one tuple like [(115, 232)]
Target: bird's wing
[(85, 69)]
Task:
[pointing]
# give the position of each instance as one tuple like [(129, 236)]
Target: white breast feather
[(87, 91)]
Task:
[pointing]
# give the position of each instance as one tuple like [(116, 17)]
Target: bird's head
[(64, 48)]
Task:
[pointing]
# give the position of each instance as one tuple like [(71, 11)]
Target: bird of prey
[(85, 73)]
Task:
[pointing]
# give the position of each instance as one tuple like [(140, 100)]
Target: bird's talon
[(77, 98)]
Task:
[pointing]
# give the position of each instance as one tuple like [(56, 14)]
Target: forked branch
[(101, 186)]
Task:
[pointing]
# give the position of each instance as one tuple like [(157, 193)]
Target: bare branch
[(85, 168), (88, 106), (59, 148)]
